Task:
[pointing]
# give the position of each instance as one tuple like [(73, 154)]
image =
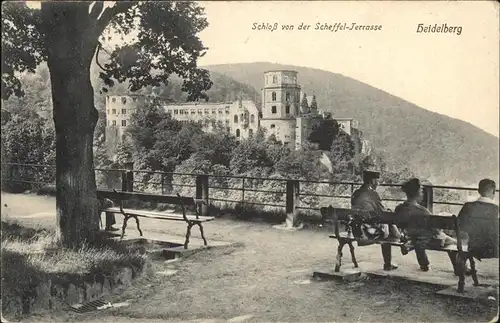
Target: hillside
[(435, 146), (223, 89)]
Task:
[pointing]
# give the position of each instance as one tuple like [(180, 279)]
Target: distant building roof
[(281, 70)]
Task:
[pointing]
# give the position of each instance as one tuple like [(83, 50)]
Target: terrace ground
[(267, 277)]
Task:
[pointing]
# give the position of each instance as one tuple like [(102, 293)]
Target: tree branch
[(99, 47), (109, 13), (96, 9)]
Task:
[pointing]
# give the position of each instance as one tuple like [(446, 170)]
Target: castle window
[(113, 99), (214, 112), (124, 100), (235, 119), (124, 111), (200, 112), (206, 111), (252, 118), (250, 132), (287, 96), (113, 111), (287, 109), (237, 132), (228, 129), (220, 111), (176, 111), (273, 96), (275, 79), (193, 112), (114, 122), (124, 123), (227, 121), (273, 126), (273, 109), (134, 99)]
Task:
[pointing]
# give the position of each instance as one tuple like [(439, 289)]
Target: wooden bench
[(351, 220), (118, 197)]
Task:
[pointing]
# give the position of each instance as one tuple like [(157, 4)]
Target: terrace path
[(266, 279)]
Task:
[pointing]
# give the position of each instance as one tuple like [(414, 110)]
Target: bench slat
[(344, 235), (167, 199), (342, 214), (159, 215)]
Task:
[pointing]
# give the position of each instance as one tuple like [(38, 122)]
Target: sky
[(451, 74), (455, 75)]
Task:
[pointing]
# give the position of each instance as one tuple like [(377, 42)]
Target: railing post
[(11, 173), (128, 178), (124, 181), (243, 191), (202, 192), (428, 198), (162, 184), (292, 201)]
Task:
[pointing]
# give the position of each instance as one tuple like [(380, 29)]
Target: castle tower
[(313, 107), (280, 105), (119, 109)]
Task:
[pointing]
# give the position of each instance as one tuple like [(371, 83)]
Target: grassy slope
[(435, 146)]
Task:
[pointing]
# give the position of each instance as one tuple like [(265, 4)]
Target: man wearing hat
[(366, 198)]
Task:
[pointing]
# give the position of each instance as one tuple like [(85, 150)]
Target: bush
[(31, 257)]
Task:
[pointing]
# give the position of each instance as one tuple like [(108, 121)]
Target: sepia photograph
[(250, 161)]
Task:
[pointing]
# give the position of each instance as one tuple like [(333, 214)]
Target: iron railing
[(291, 194)]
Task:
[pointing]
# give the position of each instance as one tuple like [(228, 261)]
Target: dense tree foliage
[(324, 132), (68, 36)]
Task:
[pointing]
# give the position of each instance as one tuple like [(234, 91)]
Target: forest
[(157, 143)]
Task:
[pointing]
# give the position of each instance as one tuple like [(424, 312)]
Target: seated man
[(479, 221), (366, 198), (110, 217), (421, 236)]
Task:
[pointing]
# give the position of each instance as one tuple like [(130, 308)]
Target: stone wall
[(63, 292)]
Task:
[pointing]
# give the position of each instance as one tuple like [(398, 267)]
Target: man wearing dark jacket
[(479, 221), (366, 198)]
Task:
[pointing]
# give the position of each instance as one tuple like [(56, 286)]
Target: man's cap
[(411, 186), (371, 174)]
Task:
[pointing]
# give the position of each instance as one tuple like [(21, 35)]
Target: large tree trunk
[(70, 48)]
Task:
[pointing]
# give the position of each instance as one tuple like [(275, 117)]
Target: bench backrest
[(353, 215), (167, 199), (348, 217), (119, 197)]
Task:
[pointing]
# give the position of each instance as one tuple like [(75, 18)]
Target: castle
[(286, 113)]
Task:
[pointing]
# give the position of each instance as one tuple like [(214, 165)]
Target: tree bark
[(70, 46)]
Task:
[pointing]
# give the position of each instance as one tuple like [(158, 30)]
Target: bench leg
[(138, 227), (461, 272), (124, 225), (473, 270), (338, 261), (188, 234), (202, 233), (353, 256)]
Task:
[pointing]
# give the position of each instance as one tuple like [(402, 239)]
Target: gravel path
[(266, 278)]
